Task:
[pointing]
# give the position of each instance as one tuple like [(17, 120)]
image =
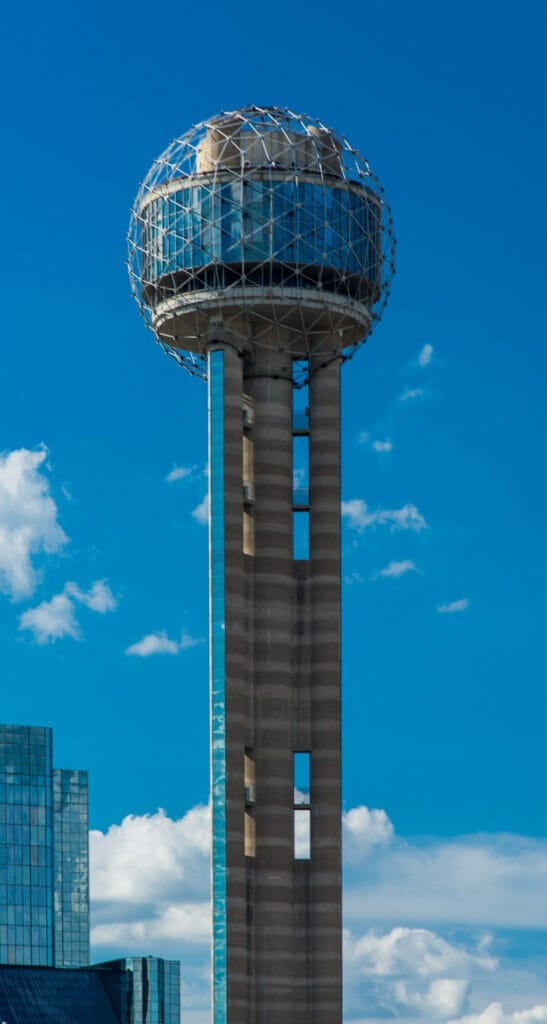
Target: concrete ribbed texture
[(282, 696)]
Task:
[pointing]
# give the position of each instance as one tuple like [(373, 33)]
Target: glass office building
[(44, 872), (135, 990), (45, 975), (152, 988), (70, 867)]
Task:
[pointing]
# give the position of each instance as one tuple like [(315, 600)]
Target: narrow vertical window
[(250, 835), (248, 476), (302, 805), (249, 776), (301, 535), (249, 784), (301, 396), (302, 780), (302, 834), (301, 468)]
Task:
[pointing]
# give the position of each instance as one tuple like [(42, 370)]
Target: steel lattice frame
[(248, 206)]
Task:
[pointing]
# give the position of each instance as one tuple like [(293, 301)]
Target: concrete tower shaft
[(278, 942)]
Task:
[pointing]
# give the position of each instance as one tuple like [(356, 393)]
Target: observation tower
[(261, 252)]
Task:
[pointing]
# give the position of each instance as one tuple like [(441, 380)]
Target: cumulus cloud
[(153, 643), (453, 606), (395, 569), (478, 882), (160, 643), (98, 599), (181, 922), (410, 394), (52, 620), (150, 882), (363, 437), (151, 857), (359, 516), (179, 473), (29, 523), (382, 446), (364, 829), (413, 969), (495, 1014), (201, 511), (426, 355)]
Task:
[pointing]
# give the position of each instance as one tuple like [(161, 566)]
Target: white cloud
[(425, 356), (418, 950), (410, 394), (181, 922), (152, 857), (28, 520), (378, 445), (154, 643), (363, 830), (396, 569), (201, 511), (187, 641), (453, 606), (98, 599), (160, 643), (51, 620), (413, 969), (495, 1014), (353, 577), (360, 517), (55, 619), (478, 881), (150, 881), (179, 473), (442, 996)]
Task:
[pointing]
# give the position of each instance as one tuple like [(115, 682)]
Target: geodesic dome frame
[(269, 223)]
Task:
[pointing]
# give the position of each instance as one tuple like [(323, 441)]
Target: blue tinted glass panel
[(71, 872), (30, 995), (251, 220), (26, 846)]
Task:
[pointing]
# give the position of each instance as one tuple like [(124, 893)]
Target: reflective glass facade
[(38, 995), (247, 220), (154, 990), (26, 846), (70, 860), (138, 990), (44, 905), (218, 679)]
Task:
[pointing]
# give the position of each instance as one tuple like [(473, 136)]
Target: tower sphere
[(265, 224)]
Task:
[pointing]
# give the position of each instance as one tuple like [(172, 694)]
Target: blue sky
[(444, 710)]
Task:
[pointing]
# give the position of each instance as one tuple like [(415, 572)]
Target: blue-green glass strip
[(218, 679)]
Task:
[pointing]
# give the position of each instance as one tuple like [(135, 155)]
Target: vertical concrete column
[(228, 590), (271, 386), (326, 921)]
